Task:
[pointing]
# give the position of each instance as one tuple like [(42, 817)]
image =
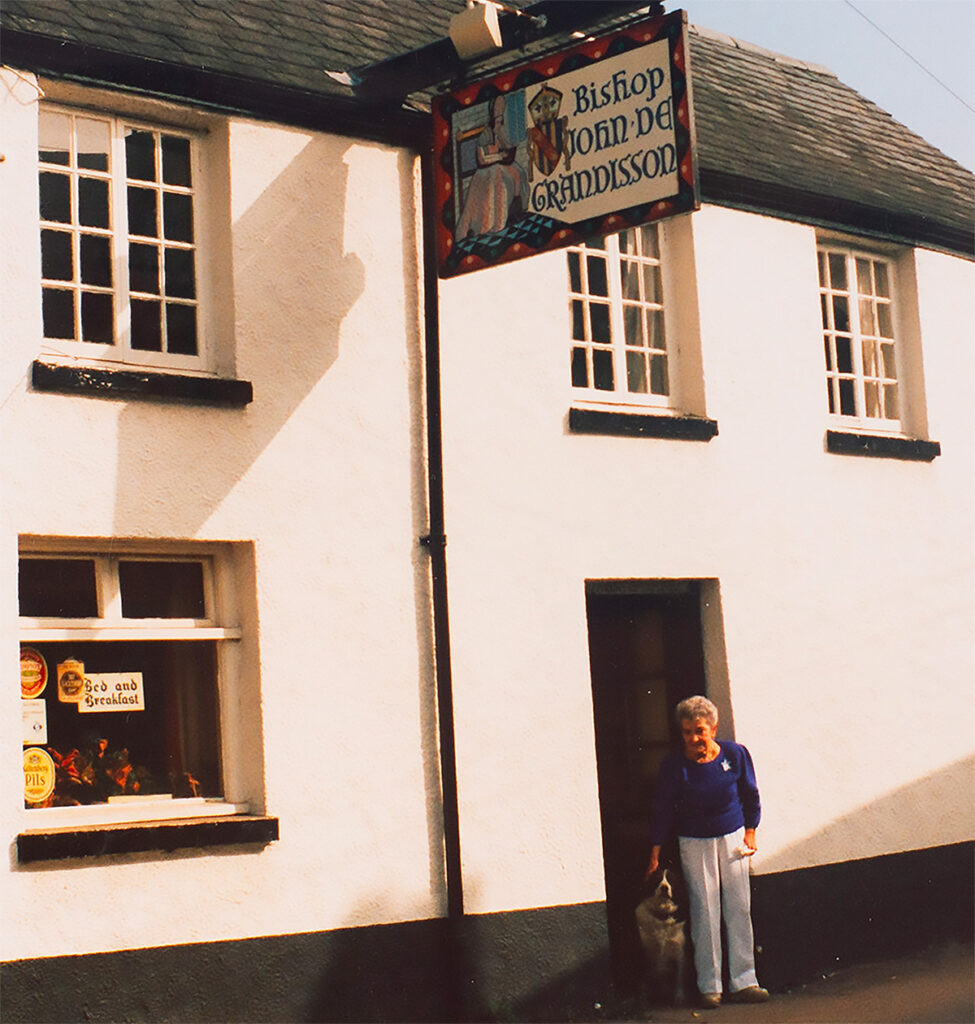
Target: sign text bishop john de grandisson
[(580, 143)]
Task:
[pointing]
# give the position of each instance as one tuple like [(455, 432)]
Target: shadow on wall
[(923, 813), (294, 286), (817, 919)]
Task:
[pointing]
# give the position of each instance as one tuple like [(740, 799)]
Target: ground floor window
[(120, 665)]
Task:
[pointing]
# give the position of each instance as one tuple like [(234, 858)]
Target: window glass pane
[(824, 309), (176, 160), (142, 212), (885, 327), (57, 261), (841, 313), (181, 329), (868, 323), (146, 326), (575, 272), (178, 217), (55, 197), (580, 371), (633, 325), (869, 358), (887, 357), (829, 396), (171, 746), (837, 271), (655, 328), (821, 256), (653, 292), (847, 403), (58, 311), (599, 242), (829, 354), (93, 143), (649, 242), (598, 284), (93, 202), (578, 321), (636, 372), (58, 587), (180, 280), (890, 401), (144, 268), (628, 242), (883, 284), (659, 383), (602, 369), (599, 323), (98, 317), (630, 280), (96, 260), (140, 155), (864, 284), (161, 590), (844, 355), (871, 400), (54, 137)]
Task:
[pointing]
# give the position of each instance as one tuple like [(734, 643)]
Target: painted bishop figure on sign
[(548, 138)]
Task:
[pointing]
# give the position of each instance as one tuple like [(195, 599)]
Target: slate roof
[(773, 134)]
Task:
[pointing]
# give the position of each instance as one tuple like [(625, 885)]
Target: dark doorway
[(646, 654)]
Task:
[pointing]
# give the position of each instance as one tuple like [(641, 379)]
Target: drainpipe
[(436, 543)]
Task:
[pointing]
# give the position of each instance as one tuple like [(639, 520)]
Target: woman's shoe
[(752, 994), (711, 999)]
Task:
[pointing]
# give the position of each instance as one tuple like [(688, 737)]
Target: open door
[(646, 654)]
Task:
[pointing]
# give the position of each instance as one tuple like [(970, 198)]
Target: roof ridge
[(779, 58)]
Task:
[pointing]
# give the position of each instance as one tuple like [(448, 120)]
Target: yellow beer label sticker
[(71, 681), (33, 673), (38, 775)]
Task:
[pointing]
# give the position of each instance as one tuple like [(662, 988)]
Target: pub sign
[(584, 142)]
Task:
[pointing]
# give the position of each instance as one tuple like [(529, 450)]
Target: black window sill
[(160, 386), (842, 442), (142, 837), (630, 424)]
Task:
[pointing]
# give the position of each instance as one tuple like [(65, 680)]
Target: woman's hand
[(654, 861), (750, 843)]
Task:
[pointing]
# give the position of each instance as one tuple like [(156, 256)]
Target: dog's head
[(662, 898)]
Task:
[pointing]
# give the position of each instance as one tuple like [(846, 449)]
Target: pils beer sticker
[(38, 775)]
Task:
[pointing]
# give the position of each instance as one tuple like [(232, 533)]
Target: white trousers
[(717, 882)]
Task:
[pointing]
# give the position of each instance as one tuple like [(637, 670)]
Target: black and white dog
[(662, 926)]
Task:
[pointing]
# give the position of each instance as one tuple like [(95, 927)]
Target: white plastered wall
[(846, 583), (323, 474)]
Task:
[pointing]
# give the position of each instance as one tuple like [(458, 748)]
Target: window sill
[(106, 840), (882, 446), (100, 382), (630, 424)]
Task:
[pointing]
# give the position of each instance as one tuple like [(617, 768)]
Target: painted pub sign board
[(584, 142)]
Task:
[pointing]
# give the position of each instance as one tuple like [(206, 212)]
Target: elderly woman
[(707, 794)]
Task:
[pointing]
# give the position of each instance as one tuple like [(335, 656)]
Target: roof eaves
[(334, 111)]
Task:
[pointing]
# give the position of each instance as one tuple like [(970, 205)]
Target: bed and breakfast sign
[(584, 142)]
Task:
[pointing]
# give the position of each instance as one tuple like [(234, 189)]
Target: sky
[(938, 35)]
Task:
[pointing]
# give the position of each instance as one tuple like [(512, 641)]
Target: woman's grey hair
[(696, 707)]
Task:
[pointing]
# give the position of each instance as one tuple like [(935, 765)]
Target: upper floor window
[(119, 258), (619, 349), (857, 299)]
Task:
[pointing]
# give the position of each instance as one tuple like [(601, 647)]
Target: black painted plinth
[(911, 449), (630, 424)]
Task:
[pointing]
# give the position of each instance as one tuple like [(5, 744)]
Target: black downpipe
[(436, 542)]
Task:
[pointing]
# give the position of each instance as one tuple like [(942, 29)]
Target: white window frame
[(121, 354), (220, 623), (661, 306), (885, 368)]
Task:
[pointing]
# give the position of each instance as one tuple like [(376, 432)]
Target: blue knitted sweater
[(705, 800)]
